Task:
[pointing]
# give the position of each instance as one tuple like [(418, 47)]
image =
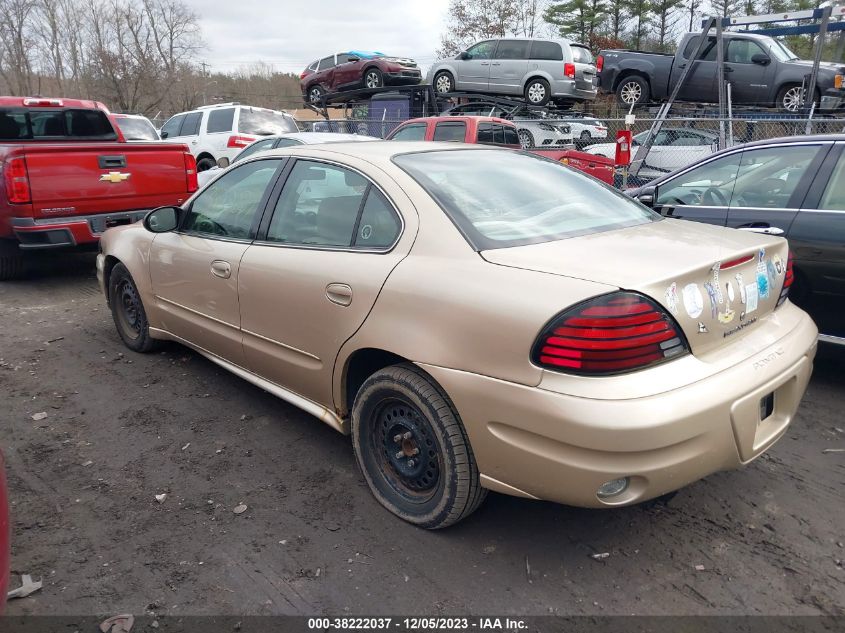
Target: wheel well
[(532, 78), (371, 67), (630, 73), (205, 155), (108, 266), (360, 366)]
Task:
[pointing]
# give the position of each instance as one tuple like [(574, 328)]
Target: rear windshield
[(581, 54), (70, 123), (137, 129), (264, 122), (503, 198)]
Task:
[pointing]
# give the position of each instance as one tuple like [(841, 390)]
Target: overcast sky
[(289, 34)]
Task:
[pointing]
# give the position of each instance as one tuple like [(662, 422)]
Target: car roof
[(377, 151), (310, 138), (478, 118)]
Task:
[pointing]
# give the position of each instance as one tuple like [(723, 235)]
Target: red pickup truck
[(489, 130), (68, 175)]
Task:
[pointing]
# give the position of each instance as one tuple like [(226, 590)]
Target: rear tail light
[(17, 180), (599, 62), (239, 141), (43, 102), (303, 74), (191, 172), (569, 70), (611, 334), (789, 277)]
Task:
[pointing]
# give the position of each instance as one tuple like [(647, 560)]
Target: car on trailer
[(356, 69)]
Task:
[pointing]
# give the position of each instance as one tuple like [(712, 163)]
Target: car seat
[(336, 220)]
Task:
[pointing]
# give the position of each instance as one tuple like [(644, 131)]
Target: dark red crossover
[(356, 69)]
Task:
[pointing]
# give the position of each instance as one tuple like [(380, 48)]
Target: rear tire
[(205, 163), (444, 82), (413, 450), (128, 312), (11, 261), (315, 94), (537, 92), (632, 90)]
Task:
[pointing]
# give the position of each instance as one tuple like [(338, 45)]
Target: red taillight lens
[(191, 172), (569, 70), (239, 141), (611, 334), (17, 180), (599, 63), (788, 278)]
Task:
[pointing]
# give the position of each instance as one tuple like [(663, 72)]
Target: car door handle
[(221, 269), (496, 64), (485, 63), (767, 230), (341, 294)]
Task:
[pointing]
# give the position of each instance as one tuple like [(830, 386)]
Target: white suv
[(215, 134)]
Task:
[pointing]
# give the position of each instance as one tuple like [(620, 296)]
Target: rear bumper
[(567, 89), (560, 447), (47, 233)]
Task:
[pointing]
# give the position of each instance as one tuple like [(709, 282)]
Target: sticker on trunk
[(672, 298), (751, 298), (693, 300)]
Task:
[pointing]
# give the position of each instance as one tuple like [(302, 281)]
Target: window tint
[(288, 142), (741, 51), (137, 129), (227, 207), (342, 58), (834, 196), (768, 177), (264, 122), (256, 147), (710, 184), (319, 206), (379, 227), (476, 188), (491, 134), (709, 52), (326, 62), (313, 65), (220, 120), (511, 136), (546, 50), (512, 49), (482, 50), (191, 124), (69, 123), (581, 54), (171, 128), (450, 131), (415, 132)]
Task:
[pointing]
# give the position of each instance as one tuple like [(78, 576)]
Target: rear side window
[(171, 128), (71, 123), (256, 147), (581, 54), (414, 132), (546, 50), (512, 49), (834, 196), (313, 65), (220, 120), (491, 134), (137, 129), (511, 136), (326, 62), (709, 52), (450, 131), (191, 124), (264, 122)]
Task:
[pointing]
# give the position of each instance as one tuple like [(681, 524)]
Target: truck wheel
[(11, 261), (526, 139), (789, 98), (444, 82), (538, 92), (413, 450), (632, 90), (128, 312), (373, 78)]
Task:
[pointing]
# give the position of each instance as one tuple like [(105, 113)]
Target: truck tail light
[(599, 63), (569, 70), (611, 334), (191, 172), (17, 181), (239, 141), (787, 281)]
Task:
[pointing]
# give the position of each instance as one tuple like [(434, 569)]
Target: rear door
[(508, 66), (346, 73), (585, 67), (474, 72), (330, 240), (219, 125), (700, 84)]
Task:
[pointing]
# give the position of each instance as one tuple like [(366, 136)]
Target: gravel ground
[(121, 428)]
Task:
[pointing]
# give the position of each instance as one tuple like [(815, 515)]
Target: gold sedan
[(477, 318)]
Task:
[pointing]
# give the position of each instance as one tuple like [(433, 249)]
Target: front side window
[(191, 124), (321, 205), (220, 120), (492, 209), (512, 49), (482, 50), (834, 196), (171, 128), (342, 58), (414, 132), (546, 51), (256, 147), (450, 131), (768, 177), (228, 206), (741, 51), (709, 185)]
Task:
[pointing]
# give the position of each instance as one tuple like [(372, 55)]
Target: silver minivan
[(541, 70)]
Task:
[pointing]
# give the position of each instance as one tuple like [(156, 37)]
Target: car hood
[(829, 66), (695, 271)]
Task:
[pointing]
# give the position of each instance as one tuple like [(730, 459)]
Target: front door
[(308, 284), (508, 66), (750, 82), (474, 71), (194, 271)]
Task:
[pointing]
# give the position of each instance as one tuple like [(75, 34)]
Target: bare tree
[(473, 20)]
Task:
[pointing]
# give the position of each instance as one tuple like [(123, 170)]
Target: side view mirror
[(647, 196), (761, 58), (164, 134), (163, 219), (463, 55)]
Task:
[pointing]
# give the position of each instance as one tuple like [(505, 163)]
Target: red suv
[(355, 69)]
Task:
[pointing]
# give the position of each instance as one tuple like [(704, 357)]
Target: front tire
[(538, 92), (128, 312), (526, 139), (444, 82), (373, 78), (632, 90), (413, 450), (789, 98)]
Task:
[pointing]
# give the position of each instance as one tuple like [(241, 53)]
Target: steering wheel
[(206, 225), (714, 194)]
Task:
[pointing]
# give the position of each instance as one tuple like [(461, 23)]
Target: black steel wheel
[(412, 448), (128, 312)]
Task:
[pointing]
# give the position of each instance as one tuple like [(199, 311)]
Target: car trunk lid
[(717, 283)]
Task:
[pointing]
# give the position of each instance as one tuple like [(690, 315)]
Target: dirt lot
[(122, 428)]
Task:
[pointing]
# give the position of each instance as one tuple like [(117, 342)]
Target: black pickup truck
[(761, 70)]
